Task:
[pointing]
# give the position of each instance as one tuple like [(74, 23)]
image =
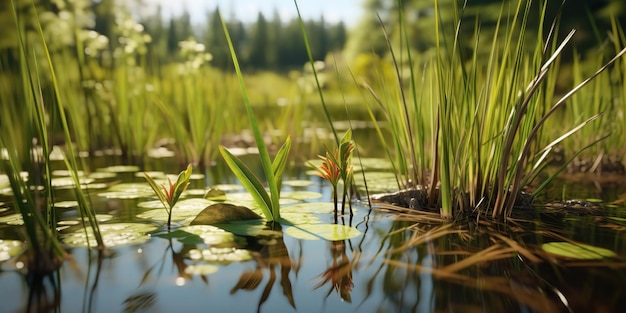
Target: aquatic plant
[(481, 157), (45, 249), (169, 195), (269, 203), (338, 165)]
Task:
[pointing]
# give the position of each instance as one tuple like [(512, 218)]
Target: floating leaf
[(211, 235), (577, 250), (67, 173), (298, 183), (66, 204), (9, 249), (220, 255), (153, 174), (322, 232), (102, 175), (302, 195), (12, 219), (117, 234), (68, 181), (120, 169), (309, 207), (128, 191), (187, 208), (201, 269), (594, 200), (298, 218)]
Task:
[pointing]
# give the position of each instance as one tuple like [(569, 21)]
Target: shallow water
[(376, 271)]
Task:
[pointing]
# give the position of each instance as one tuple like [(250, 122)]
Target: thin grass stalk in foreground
[(84, 206), (317, 82), (269, 204), (407, 123)]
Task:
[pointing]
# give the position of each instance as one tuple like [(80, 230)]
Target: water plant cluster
[(471, 131)]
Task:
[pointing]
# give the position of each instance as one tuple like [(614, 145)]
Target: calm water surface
[(373, 272)]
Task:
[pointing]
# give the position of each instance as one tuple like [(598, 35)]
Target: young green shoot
[(269, 203), (335, 166), (169, 195), (329, 170)]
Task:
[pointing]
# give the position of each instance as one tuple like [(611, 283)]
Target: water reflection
[(272, 255), (339, 273)]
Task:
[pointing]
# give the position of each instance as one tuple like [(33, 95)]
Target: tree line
[(266, 44)]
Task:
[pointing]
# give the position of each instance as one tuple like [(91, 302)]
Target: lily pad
[(220, 255), (212, 235), (66, 173), (220, 213), (66, 204), (301, 195), (120, 169), (67, 181), (577, 250), (297, 183), (128, 191), (309, 207), (201, 269), (12, 219), (102, 175), (187, 208), (9, 249), (322, 232), (113, 235)]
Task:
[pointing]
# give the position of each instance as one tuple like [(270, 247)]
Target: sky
[(247, 10)]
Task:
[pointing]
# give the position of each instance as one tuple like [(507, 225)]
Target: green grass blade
[(266, 164), (157, 191), (70, 160), (181, 183), (252, 183), (280, 161), (317, 82)]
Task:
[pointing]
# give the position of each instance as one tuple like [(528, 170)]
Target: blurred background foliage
[(125, 69)]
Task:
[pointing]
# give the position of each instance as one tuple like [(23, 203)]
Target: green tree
[(258, 52), (215, 41), (367, 36)]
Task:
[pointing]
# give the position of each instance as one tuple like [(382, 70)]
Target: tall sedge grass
[(605, 94), (483, 118), (46, 251)]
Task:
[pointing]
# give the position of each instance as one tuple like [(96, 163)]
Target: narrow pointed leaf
[(157, 190), (181, 184), (280, 161), (252, 183)]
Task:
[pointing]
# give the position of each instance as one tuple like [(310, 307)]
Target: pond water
[(395, 263)]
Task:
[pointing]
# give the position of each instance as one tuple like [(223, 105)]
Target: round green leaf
[(577, 250), (201, 269), (9, 249), (113, 235), (322, 232), (301, 195)]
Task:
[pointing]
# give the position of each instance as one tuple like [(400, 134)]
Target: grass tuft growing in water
[(484, 120)]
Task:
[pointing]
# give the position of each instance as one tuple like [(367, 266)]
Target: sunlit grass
[(479, 121)]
